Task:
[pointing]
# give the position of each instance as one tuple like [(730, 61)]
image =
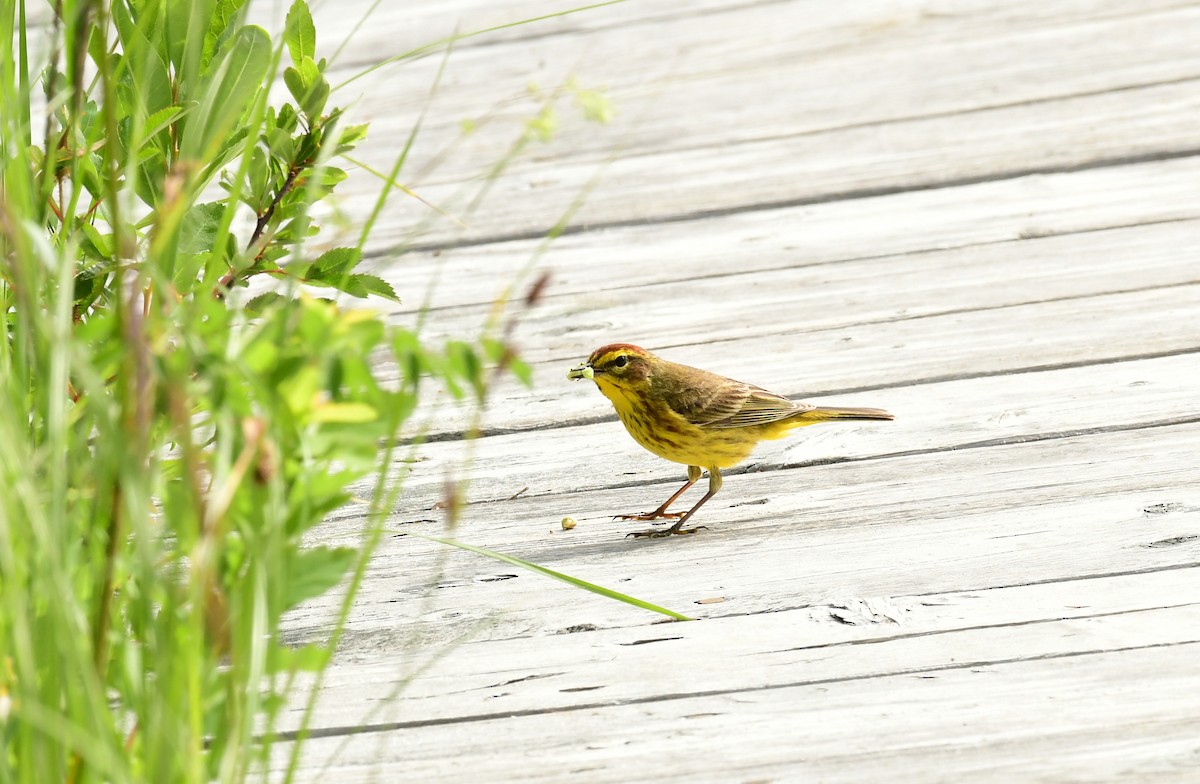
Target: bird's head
[(620, 365)]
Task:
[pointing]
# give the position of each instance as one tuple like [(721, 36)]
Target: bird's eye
[(621, 361)]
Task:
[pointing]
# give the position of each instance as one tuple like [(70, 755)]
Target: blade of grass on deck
[(584, 584)]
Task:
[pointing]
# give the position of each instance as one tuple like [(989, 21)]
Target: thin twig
[(229, 278)]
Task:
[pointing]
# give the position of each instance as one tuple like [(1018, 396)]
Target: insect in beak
[(583, 371)]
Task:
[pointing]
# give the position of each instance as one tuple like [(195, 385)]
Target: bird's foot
[(657, 514), (654, 533)]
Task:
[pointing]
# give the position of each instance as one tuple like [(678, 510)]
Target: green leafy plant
[(168, 444), (166, 436)]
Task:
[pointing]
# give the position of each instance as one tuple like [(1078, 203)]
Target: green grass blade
[(566, 578)]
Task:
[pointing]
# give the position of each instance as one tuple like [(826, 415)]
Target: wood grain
[(975, 517), (979, 215), (553, 459), (810, 117), (747, 653), (1015, 213)]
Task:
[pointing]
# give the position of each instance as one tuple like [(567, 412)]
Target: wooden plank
[(392, 30), (1078, 716), (746, 653), (551, 460), (907, 524), (920, 154), (1016, 589), (848, 67), (1006, 211), (720, 298), (883, 355), (736, 134)]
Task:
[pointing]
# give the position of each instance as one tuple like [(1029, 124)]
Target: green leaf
[(462, 360), (101, 244), (495, 350), (259, 185), (262, 302), (299, 32), (357, 285), (584, 584), (299, 390), (159, 121), (187, 270), (308, 86), (172, 21), (333, 265), (314, 571), (328, 177), (362, 285), (350, 137), (296, 85), (522, 371), (344, 413), (231, 87), (148, 185), (224, 13), (543, 125), (97, 45), (142, 61), (89, 285), (314, 103), (287, 119), (280, 143), (198, 231)]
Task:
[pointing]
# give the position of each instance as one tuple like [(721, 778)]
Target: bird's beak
[(583, 371)]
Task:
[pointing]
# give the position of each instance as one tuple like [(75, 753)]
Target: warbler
[(690, 416)]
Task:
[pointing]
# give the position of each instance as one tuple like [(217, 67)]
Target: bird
[(694, 417)]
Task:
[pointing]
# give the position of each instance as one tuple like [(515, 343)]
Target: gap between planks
[(1019, 65), (747, 654), (1078, 718), (1030, 406), (964, 220), (719, 293), (1028, 512)]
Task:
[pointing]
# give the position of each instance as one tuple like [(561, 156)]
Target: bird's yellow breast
[(667, 434)]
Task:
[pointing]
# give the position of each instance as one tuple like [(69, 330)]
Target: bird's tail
[(827, 413)]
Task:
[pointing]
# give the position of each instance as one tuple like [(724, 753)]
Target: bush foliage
[(164, 442)]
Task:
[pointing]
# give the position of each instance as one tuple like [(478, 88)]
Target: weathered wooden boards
[(983, 217), (578, 670), (596, 264), (1071, 717), (892, 321), (1025, 682), (549, 461), (741, 105), (921, 523)]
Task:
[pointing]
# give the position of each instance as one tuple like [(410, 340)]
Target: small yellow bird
[(694, 417)]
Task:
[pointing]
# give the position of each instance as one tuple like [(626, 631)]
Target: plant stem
[(260, 226)]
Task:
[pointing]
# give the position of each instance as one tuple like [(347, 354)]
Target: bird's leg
[(661, 512), (714, 484)]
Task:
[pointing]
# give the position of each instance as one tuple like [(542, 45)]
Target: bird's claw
[(654, 534)]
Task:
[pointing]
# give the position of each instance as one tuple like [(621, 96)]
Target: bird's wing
[(713, 401), (759, 407), (725, 403)]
